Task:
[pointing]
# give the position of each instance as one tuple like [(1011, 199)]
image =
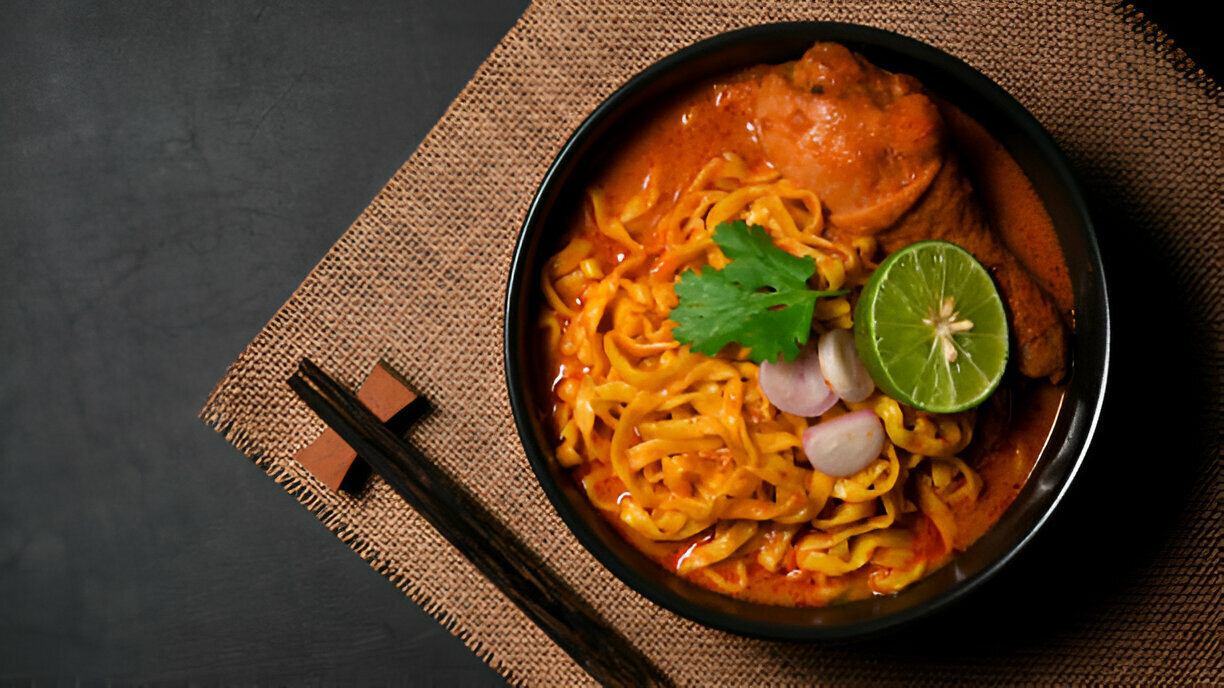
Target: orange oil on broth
[(717, 118)]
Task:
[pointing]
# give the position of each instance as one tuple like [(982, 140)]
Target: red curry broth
[(717, 117)]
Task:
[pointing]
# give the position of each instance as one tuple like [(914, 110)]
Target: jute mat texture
[(1124, 586)]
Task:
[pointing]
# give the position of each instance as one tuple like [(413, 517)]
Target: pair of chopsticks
[(495, 551)]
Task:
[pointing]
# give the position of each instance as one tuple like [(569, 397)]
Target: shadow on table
[(1134, 495)]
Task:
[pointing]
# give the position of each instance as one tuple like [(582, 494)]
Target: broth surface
[(716, 119)]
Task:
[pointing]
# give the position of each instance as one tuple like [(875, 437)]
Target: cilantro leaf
[(760, 300)]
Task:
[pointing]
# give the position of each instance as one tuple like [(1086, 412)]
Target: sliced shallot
[(845, 445), (797, 386), (843, 369)]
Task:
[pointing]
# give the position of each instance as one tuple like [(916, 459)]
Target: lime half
[(931, 329)]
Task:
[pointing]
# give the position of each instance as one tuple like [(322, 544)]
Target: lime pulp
[(931, 329)]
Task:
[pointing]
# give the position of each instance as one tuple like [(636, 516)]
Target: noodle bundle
[(684, 448)]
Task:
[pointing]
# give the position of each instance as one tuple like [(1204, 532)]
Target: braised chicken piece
[(872, 145)]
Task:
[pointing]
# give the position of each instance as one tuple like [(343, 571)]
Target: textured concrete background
[(168, 175)]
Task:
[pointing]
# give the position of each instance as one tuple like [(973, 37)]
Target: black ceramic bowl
[(1036, 153)]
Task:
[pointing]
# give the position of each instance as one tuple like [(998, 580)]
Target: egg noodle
[(684, 453)]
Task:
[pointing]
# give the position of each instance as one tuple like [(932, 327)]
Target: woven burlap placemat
[(1125, 587)]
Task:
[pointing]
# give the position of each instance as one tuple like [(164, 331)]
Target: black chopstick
[(572, 623)]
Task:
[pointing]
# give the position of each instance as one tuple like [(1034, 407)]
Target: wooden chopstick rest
[(329, 458)]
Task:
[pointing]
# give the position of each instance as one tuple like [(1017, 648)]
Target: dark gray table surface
[(168, 175)]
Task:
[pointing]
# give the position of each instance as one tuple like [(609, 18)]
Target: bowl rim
[(1078, 420)]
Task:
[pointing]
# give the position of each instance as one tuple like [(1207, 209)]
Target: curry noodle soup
[(841, 163)]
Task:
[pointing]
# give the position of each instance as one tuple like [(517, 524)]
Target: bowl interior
[(1037, 155)]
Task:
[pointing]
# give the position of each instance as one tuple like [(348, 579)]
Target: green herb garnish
[(760, 300)]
